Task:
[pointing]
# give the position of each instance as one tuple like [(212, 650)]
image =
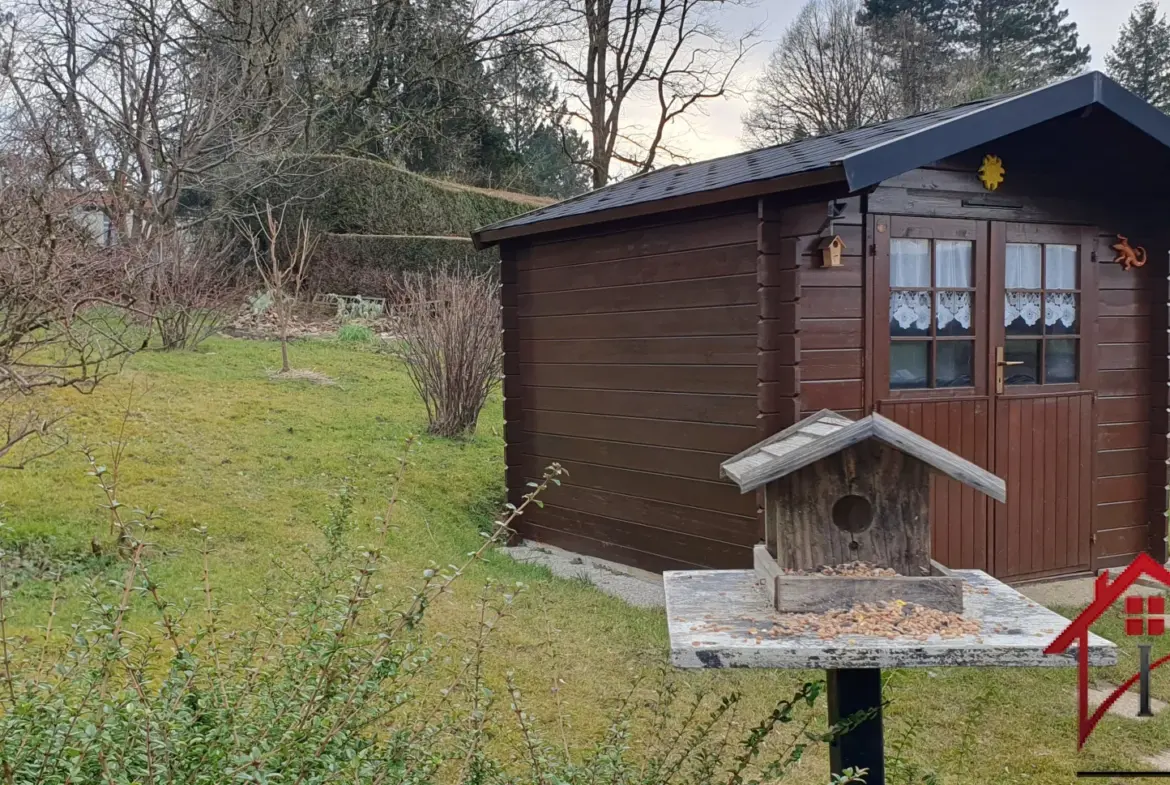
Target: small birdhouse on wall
[(847, 512), (831, 248)]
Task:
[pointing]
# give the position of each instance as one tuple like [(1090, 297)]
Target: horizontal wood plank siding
[(1122, 523), (634, 364), (832, 327)]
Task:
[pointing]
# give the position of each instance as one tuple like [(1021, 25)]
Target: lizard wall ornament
[(1127, 256)]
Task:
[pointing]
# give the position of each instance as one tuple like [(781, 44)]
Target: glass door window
[(932, 304), (1041, 314)]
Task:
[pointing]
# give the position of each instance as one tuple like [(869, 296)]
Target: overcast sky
[(718, 131)]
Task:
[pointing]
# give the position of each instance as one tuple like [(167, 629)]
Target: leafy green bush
[(355, 333), (323, 685), (374, 221), (347, 195), (372, 265)]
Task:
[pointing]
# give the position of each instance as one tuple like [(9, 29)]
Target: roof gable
[(826, 432), (854, 159)]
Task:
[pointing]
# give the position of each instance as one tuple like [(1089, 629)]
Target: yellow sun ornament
[(991, 172)]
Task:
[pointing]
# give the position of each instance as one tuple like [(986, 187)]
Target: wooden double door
[(983, 342)]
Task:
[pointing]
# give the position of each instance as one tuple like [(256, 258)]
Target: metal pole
[(1144, 693), (853, 690)]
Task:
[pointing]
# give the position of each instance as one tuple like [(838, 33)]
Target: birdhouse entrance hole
[(853, 514)]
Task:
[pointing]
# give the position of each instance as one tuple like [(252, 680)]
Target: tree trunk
[(284, 366)]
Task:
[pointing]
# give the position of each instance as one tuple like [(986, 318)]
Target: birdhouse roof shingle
[(826, 432)]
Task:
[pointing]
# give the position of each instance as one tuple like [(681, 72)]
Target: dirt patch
[(301, 375)]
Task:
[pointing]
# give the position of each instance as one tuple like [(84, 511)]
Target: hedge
[(343, 195), (370, 264)]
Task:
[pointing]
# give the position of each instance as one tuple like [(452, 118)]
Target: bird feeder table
[(838, 490)]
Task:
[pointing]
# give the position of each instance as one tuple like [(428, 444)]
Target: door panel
[(959, 514), (1043, 452), (1044, 432)]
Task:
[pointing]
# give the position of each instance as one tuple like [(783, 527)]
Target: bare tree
[(449, 325), (826, 75), (63, 307), (282, 262), (147, 98), (622, 59)]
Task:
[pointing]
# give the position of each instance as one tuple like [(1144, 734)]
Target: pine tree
[(1140, 60), (1020, 43), (546, 153), (942, 51), (916, 39)]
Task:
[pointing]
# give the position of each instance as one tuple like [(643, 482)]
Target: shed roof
[(856, 159), (826, 432)]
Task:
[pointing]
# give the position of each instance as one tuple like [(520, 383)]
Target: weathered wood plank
[(767, 570), (893, 488)]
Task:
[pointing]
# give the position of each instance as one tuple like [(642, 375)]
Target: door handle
[(1000, 364)]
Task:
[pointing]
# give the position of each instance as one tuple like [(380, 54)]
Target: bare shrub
[(191, 290), (449, 327), (64, 302)]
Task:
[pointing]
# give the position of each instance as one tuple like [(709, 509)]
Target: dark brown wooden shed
[(658, 326)]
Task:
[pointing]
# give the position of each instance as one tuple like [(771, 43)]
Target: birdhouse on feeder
[(839, 492), (831, 248)]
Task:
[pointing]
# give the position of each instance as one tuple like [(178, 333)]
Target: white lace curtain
[(910, 267), (910, 262), (1022, 271)]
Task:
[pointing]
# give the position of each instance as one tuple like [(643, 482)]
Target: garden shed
[(992, 276)]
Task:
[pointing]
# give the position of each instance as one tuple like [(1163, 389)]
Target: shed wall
[(630, 358), (830, 329)]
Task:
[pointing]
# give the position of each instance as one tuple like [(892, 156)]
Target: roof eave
[(489, 235), (1133, 110)]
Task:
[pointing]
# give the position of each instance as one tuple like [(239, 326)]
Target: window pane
[(909, 262), (1060, 361), (952, 264), (953, 313), (1060, 267), (956, 364), (1023, 313), (909, 313), (1022, 270), (909, 364), (1060, 313), (1027, 353)]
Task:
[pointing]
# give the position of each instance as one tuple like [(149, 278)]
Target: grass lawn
[(213, 442)]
